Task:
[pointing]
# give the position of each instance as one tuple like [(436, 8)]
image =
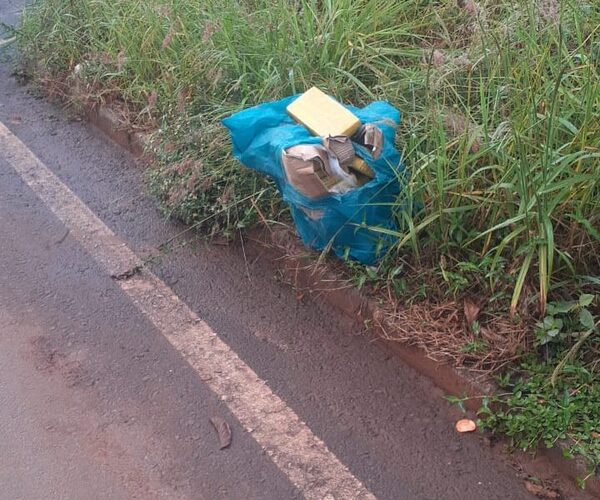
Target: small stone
[(465, 425)]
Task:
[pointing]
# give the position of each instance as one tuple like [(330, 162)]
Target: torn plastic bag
[(359, 223)]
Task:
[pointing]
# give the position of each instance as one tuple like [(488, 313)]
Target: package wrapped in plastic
[(355, 220)]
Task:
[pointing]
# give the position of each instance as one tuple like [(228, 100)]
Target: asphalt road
[(97, 401)]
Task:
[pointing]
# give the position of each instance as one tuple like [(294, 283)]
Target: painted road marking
[(289, 442)]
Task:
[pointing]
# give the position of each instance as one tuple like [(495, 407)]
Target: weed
[(533, 410), (565, 319), (556, 398)]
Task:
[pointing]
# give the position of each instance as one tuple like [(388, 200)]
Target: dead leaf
[(169, 146), (465, 425), (182, 98), (596, 435), (121, 59), (457, 124), (168, 39), (223, 431), (192, 180), (470, 6), (181, 167), (540, 491), (209, 30), (438, 59), (152, 98), (225, 197), (471, 310)]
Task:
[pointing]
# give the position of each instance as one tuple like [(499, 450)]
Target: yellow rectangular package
[(322, 114)]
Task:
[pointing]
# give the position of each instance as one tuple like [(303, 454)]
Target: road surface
[(108, 386)]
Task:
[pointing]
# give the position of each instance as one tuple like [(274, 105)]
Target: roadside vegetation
[(498, 255)]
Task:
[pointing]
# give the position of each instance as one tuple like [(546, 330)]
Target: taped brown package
[(315, 171), (305, 167), (371, 137), (341, 147)]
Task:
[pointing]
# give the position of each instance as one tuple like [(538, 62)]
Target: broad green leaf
[(586, 299), (561, 307), (548, 322), (586, 319)]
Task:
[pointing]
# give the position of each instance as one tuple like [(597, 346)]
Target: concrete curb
[(105, 119), (340, 295)]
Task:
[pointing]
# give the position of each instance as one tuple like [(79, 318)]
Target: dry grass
[(441, 330)]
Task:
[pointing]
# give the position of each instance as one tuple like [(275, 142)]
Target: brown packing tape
[(341, 146)]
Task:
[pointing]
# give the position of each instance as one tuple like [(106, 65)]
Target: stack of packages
[(335, 166)]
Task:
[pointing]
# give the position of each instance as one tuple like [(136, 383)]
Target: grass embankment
[(501, 133)]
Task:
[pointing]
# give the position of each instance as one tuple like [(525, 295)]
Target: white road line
[(299, 454)]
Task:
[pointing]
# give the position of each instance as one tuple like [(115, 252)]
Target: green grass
[(500, 103), (554, 397), (532, 411)]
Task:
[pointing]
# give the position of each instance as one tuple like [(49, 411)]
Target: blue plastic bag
[(359, 223)]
